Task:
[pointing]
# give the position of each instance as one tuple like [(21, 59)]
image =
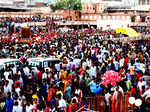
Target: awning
[(127, 31)]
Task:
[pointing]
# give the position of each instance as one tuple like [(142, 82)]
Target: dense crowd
[(85, 58)]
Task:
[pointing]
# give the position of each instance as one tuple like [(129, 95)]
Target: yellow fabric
[(58, 57), (127, 31), (59, 92), (64, 73), (34, 96), (15, 47)]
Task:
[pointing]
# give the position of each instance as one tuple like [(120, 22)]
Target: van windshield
[(16, 63), (35, 63)]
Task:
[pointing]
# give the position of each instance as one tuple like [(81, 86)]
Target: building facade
[(93, 7), (144, 2)]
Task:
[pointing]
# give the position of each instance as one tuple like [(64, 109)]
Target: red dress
[(51, 92)]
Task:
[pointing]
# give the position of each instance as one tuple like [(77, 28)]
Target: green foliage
[(67, 4)]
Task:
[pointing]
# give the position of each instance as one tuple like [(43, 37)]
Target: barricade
[(98, 104)]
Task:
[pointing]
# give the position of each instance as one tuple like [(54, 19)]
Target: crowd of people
[(85, 58)]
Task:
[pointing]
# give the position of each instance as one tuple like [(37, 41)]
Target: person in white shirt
[(93, 71), (26, 71), (14, 69), (78, 92), (77, 62), (17, 107), (10, 81), (6, 74), (121, 62), (107, 97), (61, 102), (89, 62), (116, 63), (7, 87), (84, 65), (29, 107), (141, 84), (118, 90), (17, 90), (146, 93), (74, 99), (45, 74)]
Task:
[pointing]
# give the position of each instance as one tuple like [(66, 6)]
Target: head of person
[(9, 95), (59, 96), (6, 82)]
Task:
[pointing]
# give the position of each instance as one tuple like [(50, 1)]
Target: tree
[(67, 4)]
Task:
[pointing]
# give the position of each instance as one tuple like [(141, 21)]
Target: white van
[(9, 61), (44, 62)]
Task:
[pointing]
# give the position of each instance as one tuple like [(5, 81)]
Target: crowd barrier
[(98, 104)]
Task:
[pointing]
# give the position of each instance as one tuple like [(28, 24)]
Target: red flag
[(21, 58)]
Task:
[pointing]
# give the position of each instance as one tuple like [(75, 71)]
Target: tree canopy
[(67, 4)]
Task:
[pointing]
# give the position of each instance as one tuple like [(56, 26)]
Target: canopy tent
[(127, 31)]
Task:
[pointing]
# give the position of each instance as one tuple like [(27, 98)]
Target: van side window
[(55, 62), (18, 63), (49, 63), (45, 64), (40, 64), (1, 67)]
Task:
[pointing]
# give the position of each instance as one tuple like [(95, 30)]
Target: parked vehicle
[(44, 62), (9, 61)]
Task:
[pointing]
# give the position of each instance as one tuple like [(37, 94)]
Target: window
[(100, 17), (18, 64), (90, 17), (50, 63), (104, 17), (45, 64), (1, 67), (86, 17), (128, 17), (55, 62), (35, 63), (118, 17), (82, 17), (113, 17)]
